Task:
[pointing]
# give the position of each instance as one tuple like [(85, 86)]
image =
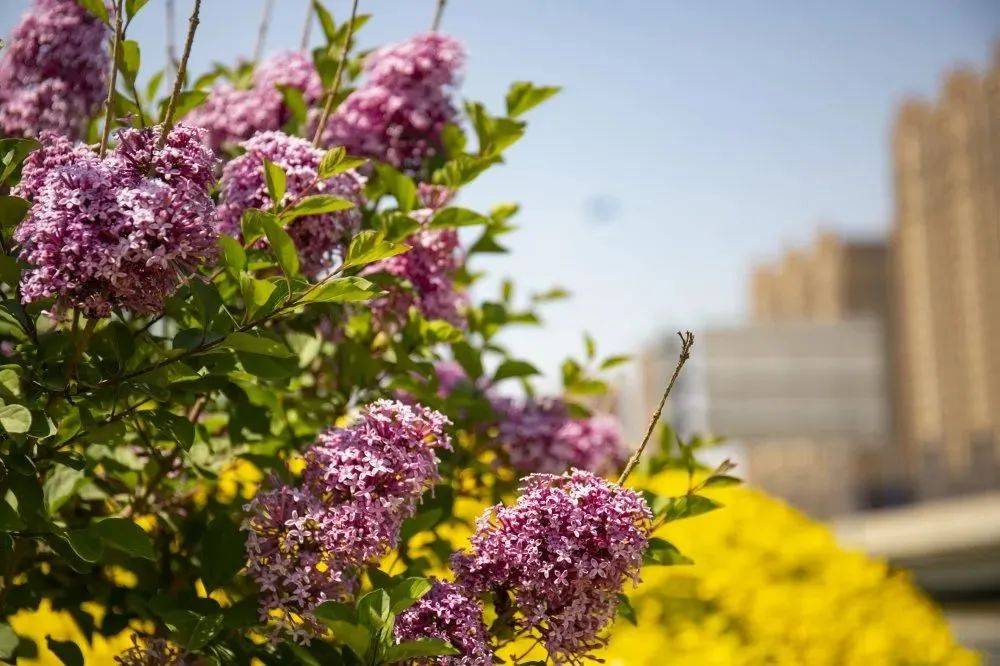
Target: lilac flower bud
[(448, 614), (562, 552), (320, 239), (54, 73)]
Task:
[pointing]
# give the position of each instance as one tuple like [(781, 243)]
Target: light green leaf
[(407, 592), (688, 506), (97, 8), (457, 217), (326, 21), (252, 224), (295, 103), (276, 181), (12, 211), (15, 419), (60, 486), (283, 247), (514, 368), (256, 293), (369, 246), (233, 255), (129, 59), (10, 382), (126, 536), (13, 152), (132, 7), (374, 609), (8, 641), (421, 647), (336, 161), (316, 204), (399, 185), (341, 290), (524, 95), (256, 344)]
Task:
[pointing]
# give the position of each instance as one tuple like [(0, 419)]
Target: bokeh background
[(814, 189)]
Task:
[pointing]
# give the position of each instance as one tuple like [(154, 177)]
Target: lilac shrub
[(320, 239), (563, 552), (53, 73)]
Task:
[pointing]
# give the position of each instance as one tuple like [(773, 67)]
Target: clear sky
[(691, 139)]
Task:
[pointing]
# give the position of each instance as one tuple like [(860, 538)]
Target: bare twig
[(168, 119), (331, 95), (265, 22), (307, 27), (687, 341), (438, 13), (112, 79)]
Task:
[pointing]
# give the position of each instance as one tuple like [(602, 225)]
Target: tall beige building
[(946, 269)]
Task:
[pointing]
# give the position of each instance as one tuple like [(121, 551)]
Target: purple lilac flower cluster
[(539, 435), (358, 486), (429, 266), (562, 552), (320, 239), (232, 114), (449, 614), (118, 232), (53, 75), (397, 115)]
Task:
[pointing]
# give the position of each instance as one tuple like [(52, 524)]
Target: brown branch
[(331, 95), (438, 13), (168, 119), (265, 22), (112, 79), (687, 341)]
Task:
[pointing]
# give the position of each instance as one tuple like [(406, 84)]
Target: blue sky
[(710, 134)]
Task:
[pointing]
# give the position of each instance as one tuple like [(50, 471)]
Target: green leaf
[(399, 185), (97, 8), (68, 652), (421, 647), (252, 224), (154, 85), (374, 609), (295, 103), (326, 21), (342, 290), (369, 246), (283, 247), (317, 204), (13, 152), (193, 630), (614, 361), (407, 592), (335, 611), (276, 180), (222, 552), (187, 101), (60, 486), (342, 620), (9, 520), (626, 611), (396, 226), (336, 161), (256, 293), (721, 481), (86, 543), (456, 217), (132, 7), (124, 535), (256, 344), (524, 95), (173, 427), (10, 382), (687, 506), (15, 419), (12, 210), (663, 553), (129, 59), (8, 641), (514, 368)]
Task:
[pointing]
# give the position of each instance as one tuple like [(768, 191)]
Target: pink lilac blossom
[(449, 614), (539, 435), (56, 151), (53, 74), (320, 239), (232, 115), (118, 232), (296, 556), (397, 115), (562, 552), (375, 471)]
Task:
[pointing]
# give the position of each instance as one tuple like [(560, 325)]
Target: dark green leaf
[(173, 427), (256, 344), (514, 368), (374, 609), (86, 543), (187, 101), (326, 21), (687, 506), (722, 480), (625, 610), (68, 652), (9, 520), (295, 103), (13, 152), (399, 185), (252, 224), (407, 592), (222, 552), (283, 247), (663, 553), (62, 483), (126, 536), (12, 211), (456, 217)]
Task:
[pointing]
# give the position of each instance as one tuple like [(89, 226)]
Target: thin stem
[(168, 119), (112, 79), (687, 341), (138, 104), (438, 13), (265, 22), (307, 27), (332, 93)]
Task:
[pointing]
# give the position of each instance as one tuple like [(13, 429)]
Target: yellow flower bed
[(768, 586)]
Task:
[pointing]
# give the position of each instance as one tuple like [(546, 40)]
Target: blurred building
[(946, 249)]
